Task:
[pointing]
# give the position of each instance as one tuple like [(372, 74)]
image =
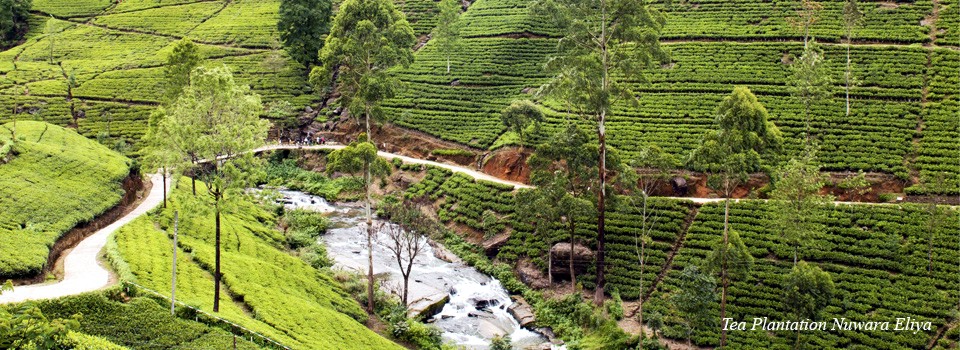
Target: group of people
[(307, 140)]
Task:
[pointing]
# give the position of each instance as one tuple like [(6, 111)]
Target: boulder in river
[(426, 307), (522, 311)]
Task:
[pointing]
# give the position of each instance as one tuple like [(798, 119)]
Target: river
[(478, 304)]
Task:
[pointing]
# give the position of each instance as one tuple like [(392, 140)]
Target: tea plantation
[(53, 179), (887, 261), (267, 290), (907, 81)]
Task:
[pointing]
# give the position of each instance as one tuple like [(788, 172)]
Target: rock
[(485, 304), (522, 311), (455, 82), (679, 185), (492, 246), (490, 327), (427, 307), (441, 252), (531, 275), (308, 109), (547, 332), (560, 257)]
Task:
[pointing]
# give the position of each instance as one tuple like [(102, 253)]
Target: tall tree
[(519, 115), (360, 157), (796, 200), (13, 21), (181, 62), (807, 291), (811, 82), (852, 18), (605, 47), (447, 33), (302, 25), (158, 153), (807, 15), (732, 151), (566, 160), (656, 167), (368, 37), (227, 126)]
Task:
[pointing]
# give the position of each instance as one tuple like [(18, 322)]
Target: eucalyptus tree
[(852, 18), (181, 61), (360, 157), (797, 204), (807, 15), (811, 81), (366, 40), (302, 24), (605, 47), (656, 167), (729, 153), (563, 165), (224, 117), (447, 33), (695, 296)]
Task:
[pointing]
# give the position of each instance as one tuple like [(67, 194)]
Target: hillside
[(265, 289), (907, 66), (877, 256), (54, 180)]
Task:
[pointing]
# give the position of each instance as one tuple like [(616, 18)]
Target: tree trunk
[(164, 175), (370, 306), (216, 274), (193, 184), (406, 288), (573, 238), (723, 270), (601, 215), (448, 65)]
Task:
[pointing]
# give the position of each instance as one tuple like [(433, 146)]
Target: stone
[(560, 257), (426, 307), (522, 311)]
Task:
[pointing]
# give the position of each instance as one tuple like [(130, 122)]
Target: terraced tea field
[(116, 52), (902, 75)]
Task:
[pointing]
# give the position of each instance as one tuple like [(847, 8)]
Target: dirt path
[(82, 272)]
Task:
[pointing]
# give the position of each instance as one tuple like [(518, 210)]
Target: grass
[(50, 185), (266, 289)]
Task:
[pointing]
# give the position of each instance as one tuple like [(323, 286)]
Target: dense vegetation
[(876, 255), (54, 180), (269, 291)]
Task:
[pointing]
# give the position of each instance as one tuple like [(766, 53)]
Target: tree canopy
[(367, 38), (302, 25), (519, 115), (13, 21), (447, 33), (181, 62)]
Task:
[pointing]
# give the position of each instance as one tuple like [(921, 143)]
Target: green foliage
[(57, 180), (796, 196), (287, 299), (519, 115), (13, 20), (138, 323), (302, 25), (447, 33), (501, 343), (808, 291), (811, 80), (26, 327), (695, 298), (367, 38), (743, 134), (181, 61)]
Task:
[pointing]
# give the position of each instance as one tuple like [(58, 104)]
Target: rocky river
[(475, 307)]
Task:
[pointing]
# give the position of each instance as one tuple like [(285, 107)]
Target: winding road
[(84, 273)]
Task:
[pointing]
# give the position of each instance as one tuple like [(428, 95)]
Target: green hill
[(264, 288), (54, 179)]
